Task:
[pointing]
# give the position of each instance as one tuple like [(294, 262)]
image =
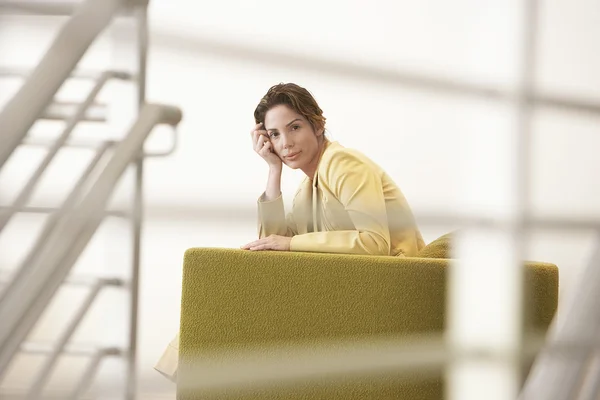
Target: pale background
[(216, 59)]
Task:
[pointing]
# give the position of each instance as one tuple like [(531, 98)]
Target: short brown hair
[(295, 97)]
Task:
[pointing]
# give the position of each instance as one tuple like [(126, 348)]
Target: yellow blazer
[(350, 206)]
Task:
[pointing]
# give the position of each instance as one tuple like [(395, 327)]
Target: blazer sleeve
[(359, 188), (168, 363), (272, 219)]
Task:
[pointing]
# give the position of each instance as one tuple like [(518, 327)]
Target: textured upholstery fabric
[(234, 299), (439, 248)]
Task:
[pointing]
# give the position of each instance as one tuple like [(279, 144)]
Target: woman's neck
[(311, 170)]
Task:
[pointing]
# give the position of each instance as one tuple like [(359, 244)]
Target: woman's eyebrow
[(288, 124)]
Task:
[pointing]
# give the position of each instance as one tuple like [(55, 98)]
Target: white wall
[(215, 60)]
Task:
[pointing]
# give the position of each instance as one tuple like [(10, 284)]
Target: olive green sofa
[(235, 300)]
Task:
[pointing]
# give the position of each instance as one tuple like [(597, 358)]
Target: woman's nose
[(286, 143)]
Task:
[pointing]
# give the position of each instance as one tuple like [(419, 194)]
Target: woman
[(346, 203)]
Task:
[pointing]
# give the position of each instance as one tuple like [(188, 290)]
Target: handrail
[(71, 43), (30, 293), (27, 191), (55, 218)]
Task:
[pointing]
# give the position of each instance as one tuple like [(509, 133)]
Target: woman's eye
[(295, 127), (273, 134)]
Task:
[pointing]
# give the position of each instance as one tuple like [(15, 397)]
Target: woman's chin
[(293, 164)]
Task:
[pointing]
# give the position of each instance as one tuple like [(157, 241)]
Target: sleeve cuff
[(271, 216), (261, 199), (169, 361), (302, 243)]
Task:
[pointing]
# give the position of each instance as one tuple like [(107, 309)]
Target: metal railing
[(23, 197), (58, 8), (41, 379), (36, 94), (28, 294), (53, 220)]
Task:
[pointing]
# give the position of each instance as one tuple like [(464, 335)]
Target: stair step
[(50, 210), (73, 281), (63, 110), (55, 394), (45, 7), (16, 72), (72, 143), (71, 349)]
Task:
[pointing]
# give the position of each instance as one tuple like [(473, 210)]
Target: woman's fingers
[(259, 129), (257, 142), (260, 247), (259, 244), (257, 132), (262, 143), (272, 242), (266, 149), (256, 136), (256, 128), (251, 245), (262, 131), (259, 137)]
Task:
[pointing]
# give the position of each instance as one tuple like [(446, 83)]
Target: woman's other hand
[(271, 242), (263, 146)]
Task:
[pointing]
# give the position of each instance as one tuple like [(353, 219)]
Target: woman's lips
[(292, 156)]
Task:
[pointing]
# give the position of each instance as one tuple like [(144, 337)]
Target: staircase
[(27, 289)]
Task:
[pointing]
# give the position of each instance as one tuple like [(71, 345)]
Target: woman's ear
[(320, 130)]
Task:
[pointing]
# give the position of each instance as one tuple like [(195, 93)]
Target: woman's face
[(293, 138)]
